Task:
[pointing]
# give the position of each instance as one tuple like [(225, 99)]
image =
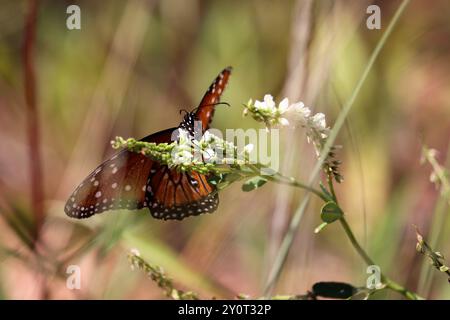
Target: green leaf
[(331, 212), (337, 290), (253, 183)]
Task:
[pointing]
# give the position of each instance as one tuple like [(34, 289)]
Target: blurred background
[(130, 70)]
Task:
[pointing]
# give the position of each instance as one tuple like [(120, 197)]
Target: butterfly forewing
[(118, 183), (205, 110)]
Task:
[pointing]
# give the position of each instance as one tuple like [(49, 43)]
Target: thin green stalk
[(331, 186), (400, 289), (363, 254), (355, 243), (281, 179), (388, 282), (278, 178), (349, 104), (295, 221)]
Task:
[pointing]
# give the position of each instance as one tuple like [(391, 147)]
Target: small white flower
[(300, 108), (182, 157), (209, 155), (267, 111), (208, 137), (318, 121), (183, 137), (135, 252), (249, 148), (283, 106), (267, 105), (434, 178), (301, 112), (283, 121)]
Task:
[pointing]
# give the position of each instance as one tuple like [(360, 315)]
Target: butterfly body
[(133, 181)]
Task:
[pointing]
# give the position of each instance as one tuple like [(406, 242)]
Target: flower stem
[(331, 186), (278, 178), (388, 282), (363, 254), (394, 286), (355, 242), (281, 179)]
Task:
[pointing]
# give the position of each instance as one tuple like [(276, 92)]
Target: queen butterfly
[(131, 181)]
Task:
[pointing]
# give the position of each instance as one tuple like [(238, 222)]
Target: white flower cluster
[(219, 151), (134, 253), (189, 154), (266, 111), (182, 151), (315, 125)]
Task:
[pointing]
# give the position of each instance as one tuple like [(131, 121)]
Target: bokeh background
[(135, 64)]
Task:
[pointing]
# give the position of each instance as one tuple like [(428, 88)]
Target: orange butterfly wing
[(118, 183), (205, 110), (176, 195)]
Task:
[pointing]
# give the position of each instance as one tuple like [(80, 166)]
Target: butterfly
[(133, 181)]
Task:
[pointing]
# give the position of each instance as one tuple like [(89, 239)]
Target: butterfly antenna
[(212, 104)]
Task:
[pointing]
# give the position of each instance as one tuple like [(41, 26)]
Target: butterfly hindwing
[(176, 195)]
